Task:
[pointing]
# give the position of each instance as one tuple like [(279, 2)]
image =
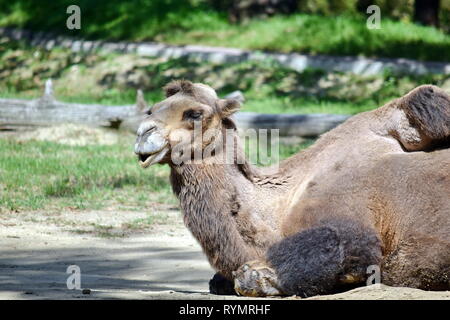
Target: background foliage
[(309, 29)]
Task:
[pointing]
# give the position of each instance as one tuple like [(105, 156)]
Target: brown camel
[(374, 191)]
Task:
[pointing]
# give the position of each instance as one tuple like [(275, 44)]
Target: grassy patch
[(150, 220), (322, 35), (36, 175), (102, 231)]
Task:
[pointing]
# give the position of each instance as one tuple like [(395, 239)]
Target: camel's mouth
[(144, 157), (147, 159)]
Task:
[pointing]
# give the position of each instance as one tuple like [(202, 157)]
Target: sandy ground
[(37, 248), (158, 262)]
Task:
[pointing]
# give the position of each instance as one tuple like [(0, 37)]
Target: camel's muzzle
[(151, 146)]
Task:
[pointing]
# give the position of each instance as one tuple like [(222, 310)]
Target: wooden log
[(43, 112), (46, 111), (16, 114), (301, 125)]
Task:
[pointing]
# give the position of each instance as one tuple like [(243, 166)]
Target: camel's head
[(191, 115)]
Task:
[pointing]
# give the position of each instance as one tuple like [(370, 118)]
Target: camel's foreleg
[(321, 260)]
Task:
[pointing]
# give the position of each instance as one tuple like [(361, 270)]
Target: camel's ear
[(176, 86), (227, 107)]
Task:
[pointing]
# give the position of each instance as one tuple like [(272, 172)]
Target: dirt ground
[(155, 262)]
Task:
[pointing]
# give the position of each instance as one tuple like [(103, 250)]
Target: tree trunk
[(426, 12)]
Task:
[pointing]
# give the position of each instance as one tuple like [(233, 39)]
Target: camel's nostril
[(145, 128), (148, 132)]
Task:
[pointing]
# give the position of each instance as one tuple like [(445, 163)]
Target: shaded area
[(113, 18), (124, 265)]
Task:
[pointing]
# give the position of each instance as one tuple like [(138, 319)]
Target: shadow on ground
[(157, 264), (35, 267)]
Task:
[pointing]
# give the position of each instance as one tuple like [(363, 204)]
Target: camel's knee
[(325, 259), (256, 279)]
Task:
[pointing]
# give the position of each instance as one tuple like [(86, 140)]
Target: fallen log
[(46, 111), (17, 114), (301, 125)]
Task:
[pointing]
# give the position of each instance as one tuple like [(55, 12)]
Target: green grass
[(195, 22), (149, 220), (36, 175), (322, 35), (279, 104)]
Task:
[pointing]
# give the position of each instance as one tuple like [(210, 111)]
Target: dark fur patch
[(428, 109), (228, 123), (311, 262), (176, 86), (221, 286)]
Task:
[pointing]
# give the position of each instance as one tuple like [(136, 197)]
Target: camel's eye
[(192, 115)]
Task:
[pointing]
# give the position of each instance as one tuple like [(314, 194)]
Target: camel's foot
[(256, 279), (221, 286)]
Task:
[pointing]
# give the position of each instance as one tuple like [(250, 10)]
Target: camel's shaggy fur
[(373, 191)]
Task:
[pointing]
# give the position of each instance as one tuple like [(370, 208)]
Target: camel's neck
[(209, 196)]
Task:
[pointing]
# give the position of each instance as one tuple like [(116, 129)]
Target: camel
[(374, 191)]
